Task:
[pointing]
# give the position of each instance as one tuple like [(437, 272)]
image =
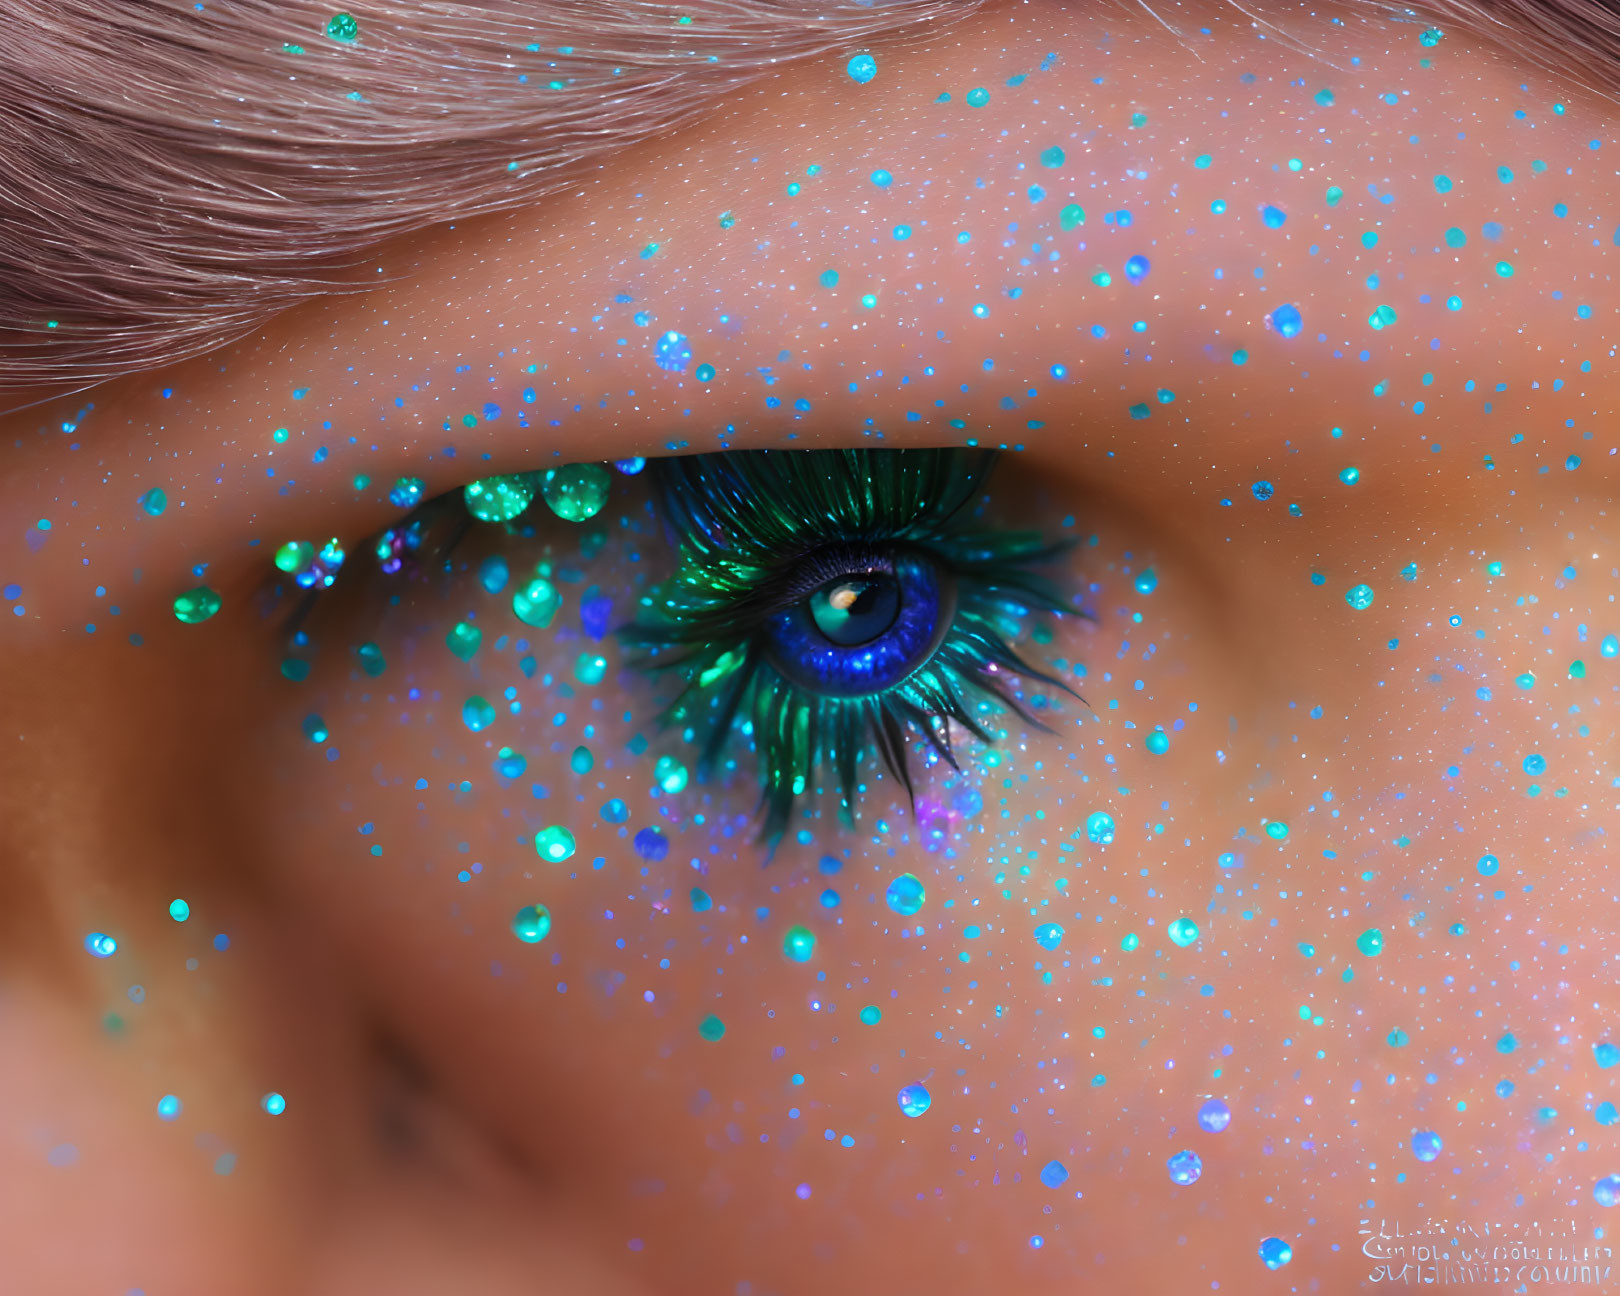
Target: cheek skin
[(1390, 740)]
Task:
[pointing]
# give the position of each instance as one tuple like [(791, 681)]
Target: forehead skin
[(1390, 740)]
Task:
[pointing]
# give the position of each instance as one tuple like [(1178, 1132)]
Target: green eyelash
[(757, 528)]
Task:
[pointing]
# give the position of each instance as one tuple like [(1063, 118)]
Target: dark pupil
[(855, 610)]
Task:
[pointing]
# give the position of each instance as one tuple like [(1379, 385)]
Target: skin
[(456, 1120)]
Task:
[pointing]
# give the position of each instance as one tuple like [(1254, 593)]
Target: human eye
[(823, 607)]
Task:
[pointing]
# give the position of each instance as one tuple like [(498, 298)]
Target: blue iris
[(863, 631)]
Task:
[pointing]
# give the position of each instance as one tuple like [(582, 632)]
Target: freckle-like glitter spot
[(1054, 1174), (1185, 1167), (1370, 942), (510, 764), (1183, 931), (1360, 597), (861, 69), (371, 658), (555, 843), (976, 97), (463, 640), (1100, 827), (672, 352), (578, 491), (532, 924), (799, 944), (477, 714), (154, 501), (196, 605), (1275, 1253), (1426, 1145), (670, 774), (498, 499), (1286, 320), (1052, 157), (342, 27), (273, 1104), (651, 844), (179, 910), (407, 492), (536, 603), (906, 894), (168, 1107), (1214, 1116), (100, 945), (712, 1028), (914, 1100), (493, 573)]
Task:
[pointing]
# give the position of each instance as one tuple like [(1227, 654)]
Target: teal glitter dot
[(871, 1015), (477, 714), (862, 68), (1360, 597), (179, 910), (315, 729), (906, 894), (576, 492), (532, 924), (712, 1029), (536, 603), (829, 278), (196, 605), (1052, 157), (555, 844), (499, 499), (1275, 1253), (463, 640), (1072, 215), (155, 501), (799, 945), (1158, 742), (977, 97), (168, 1107), (1183, 931), (1276, 830), (342, 27), (1370, 942), (273, 1104), (704, 373)]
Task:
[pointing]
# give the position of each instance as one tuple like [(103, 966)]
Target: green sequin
[(196, 605)]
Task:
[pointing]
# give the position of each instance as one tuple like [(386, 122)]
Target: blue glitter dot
[(1136, 268), (1286, 320), (1274, 217), (862, 68), (1054, 1174), (1262, 490), (673, 352), (651, 844)]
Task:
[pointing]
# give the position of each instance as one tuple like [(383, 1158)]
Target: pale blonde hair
[(174, 172)]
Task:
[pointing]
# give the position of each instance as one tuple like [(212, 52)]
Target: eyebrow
[(179, 229)]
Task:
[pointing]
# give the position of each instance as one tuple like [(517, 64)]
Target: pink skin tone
[(528, 1156)]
